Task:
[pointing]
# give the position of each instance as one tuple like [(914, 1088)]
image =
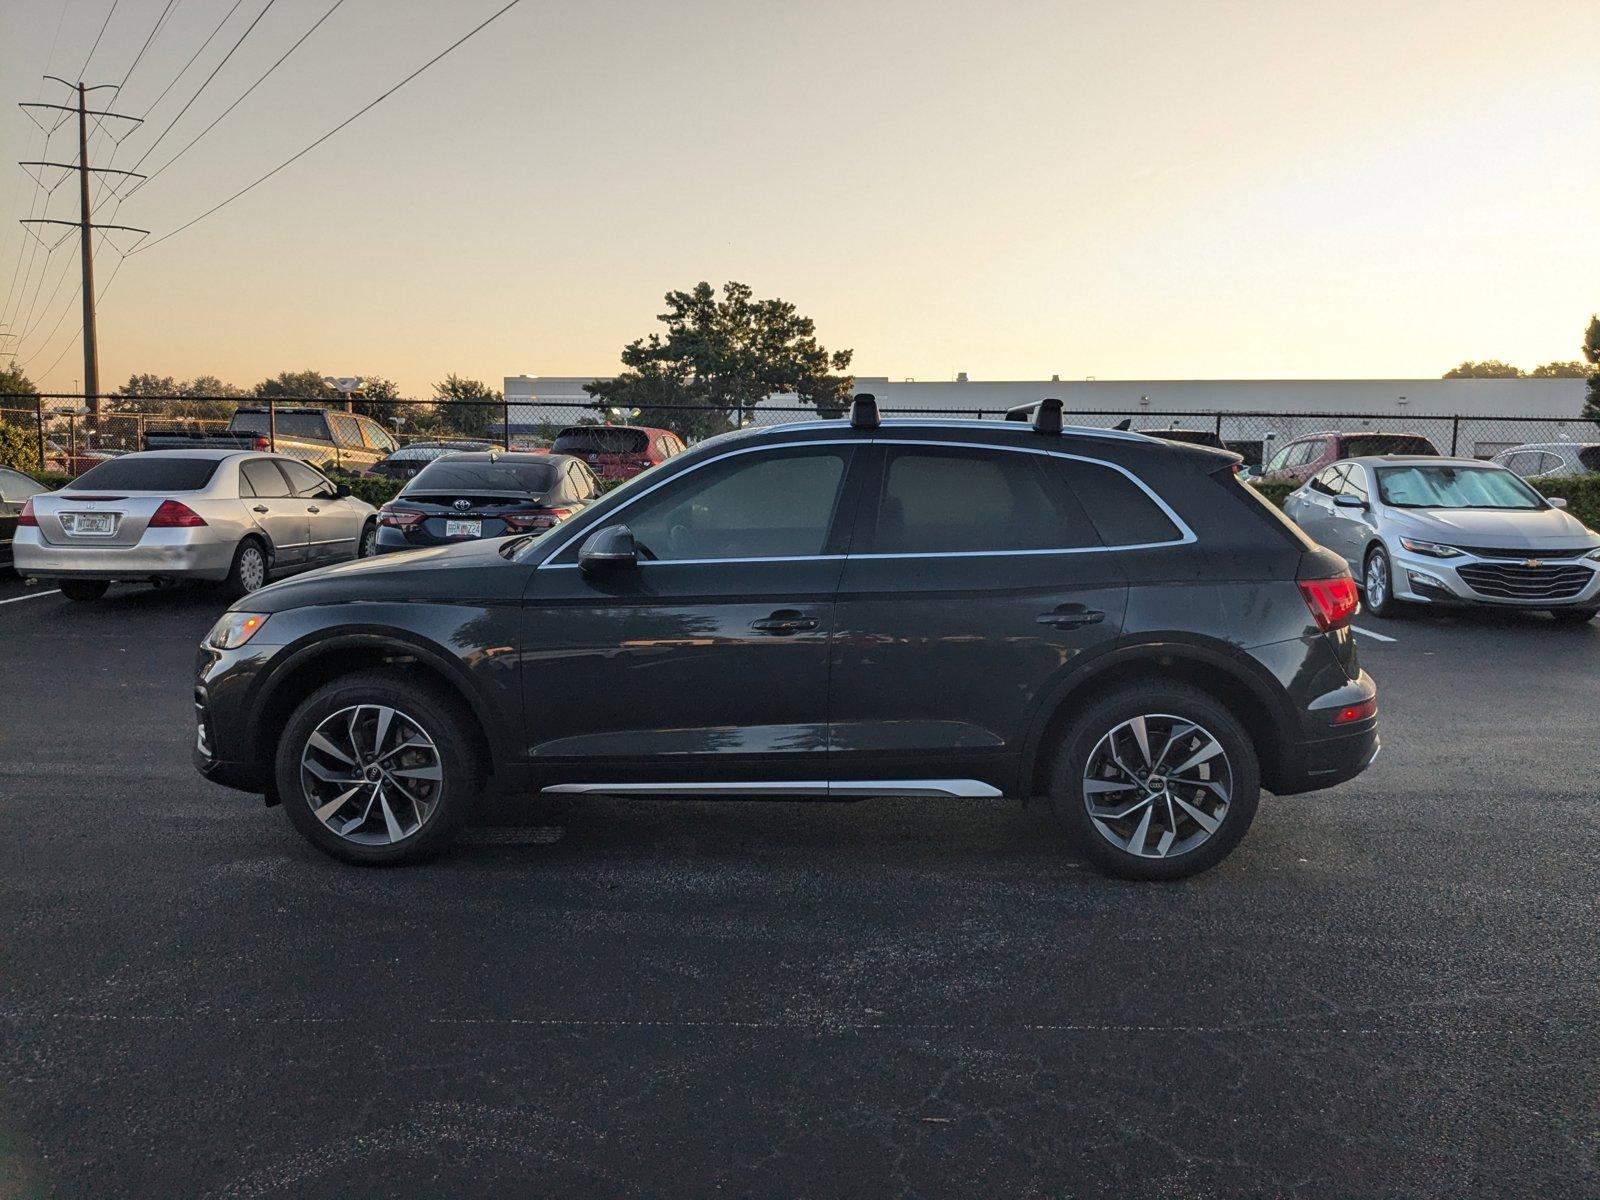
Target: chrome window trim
[(1187, 536)]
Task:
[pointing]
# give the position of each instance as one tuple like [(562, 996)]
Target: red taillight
[(1352, 713), (26, 517), (260, 443), (524, 522), (1333, 602), (175, 515), (398, 518)]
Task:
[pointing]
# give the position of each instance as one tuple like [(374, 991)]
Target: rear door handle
[(260, 508), (1071, 616), (785, 620)]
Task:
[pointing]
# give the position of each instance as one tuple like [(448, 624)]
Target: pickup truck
[(328, 440)]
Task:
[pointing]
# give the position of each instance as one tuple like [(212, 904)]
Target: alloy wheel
[(1377, 581), (1157, 785), (371, 774)]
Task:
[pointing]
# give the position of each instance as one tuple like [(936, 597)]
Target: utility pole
[(86, 227)]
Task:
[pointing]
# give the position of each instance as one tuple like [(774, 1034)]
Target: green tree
[(723, 357), (1489, 368), (14, 386), (1591, 354), (162, 395), (302, 385), (19, 435), (1560, 370), (466, 407)]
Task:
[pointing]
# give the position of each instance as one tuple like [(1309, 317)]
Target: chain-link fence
[(71, 433)]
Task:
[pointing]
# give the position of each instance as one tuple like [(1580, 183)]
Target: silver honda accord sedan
[(232, 516), (1451, 532)]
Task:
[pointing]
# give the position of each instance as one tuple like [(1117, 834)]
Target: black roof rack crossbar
[(1047, 417), (864, 412)]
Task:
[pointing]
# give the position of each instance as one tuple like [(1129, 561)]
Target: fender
[(1098, 665)]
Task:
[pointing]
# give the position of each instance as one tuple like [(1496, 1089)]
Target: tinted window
[(1455, 487), (138, 473), (1327, 481), (1589, 456), (747, 506), (15, 487), (934, 501), (486, 476), (600, 439), (1122, 511), (1358, 444), (264, 478), (306, 426), (304, 480)]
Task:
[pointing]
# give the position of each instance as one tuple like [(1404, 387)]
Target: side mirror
[(608, 549), (341, 492), (1346, 500), (1556, 501)]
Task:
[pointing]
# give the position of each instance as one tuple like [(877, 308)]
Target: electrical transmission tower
[(85, 223)]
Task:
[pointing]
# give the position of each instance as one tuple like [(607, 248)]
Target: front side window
[(1355, 483), (376, 437), (777, 505), (305, 481), (933, 500), (1327, 481), (1280, 460), (1455, 487)]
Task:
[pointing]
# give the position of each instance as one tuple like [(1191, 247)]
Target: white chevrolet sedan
[(235, 517)]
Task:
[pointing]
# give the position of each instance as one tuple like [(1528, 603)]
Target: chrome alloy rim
[(1157, 786), (371, 774), (1377, 581), (252, 568)]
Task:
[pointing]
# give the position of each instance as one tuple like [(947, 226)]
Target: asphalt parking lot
[(1389, 990)]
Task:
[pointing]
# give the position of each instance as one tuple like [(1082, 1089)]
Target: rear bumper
[(1326, 754), (160, 554)]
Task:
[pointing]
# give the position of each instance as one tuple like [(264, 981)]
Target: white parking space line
[(1377, 637), (31, 596)]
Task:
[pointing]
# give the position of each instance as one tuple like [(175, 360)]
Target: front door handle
[(261, 508), (1071, 616), (784, 621), (313, 508)]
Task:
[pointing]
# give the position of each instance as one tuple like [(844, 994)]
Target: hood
[(464, 572), (1534, 529)]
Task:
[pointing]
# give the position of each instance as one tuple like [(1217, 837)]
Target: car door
[(264, 490), (1312, 508), (15, 489), (974, 579), (708, 660), (1352, 528), (333, 526)]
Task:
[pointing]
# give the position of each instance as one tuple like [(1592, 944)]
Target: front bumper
[(1495, 582), (159, 554)]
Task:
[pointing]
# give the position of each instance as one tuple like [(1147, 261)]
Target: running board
[(969, 789)]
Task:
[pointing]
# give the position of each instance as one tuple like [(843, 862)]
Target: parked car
[(1539, 460), (15, 491), (74, 461), (618, 451), (166, 515), (829, 609), (327, 440), (1451, 532), (1302, 458), (413, 456), (485, 495)]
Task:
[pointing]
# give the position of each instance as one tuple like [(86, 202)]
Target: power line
[(83, 70), (348, 120), (183, 70), (240, 100)]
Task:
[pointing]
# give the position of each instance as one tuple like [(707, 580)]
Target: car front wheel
[(375, 769), (1156, 781), (1377, 584)]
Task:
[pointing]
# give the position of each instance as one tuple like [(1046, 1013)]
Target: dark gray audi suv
[(833, 610)]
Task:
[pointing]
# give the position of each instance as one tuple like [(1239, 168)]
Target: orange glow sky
[(1156, 189)]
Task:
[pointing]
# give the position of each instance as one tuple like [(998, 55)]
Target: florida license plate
[(463, 529), (89, 524)]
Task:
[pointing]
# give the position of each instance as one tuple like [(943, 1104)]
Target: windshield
[(483, 476), (1455, 487), (600, 439)]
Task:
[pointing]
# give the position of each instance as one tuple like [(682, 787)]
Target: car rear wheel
[(369, 540), (249, 570), (1377, 584), (1574, 616), (374, 769), (1156, 781), (84, 589)]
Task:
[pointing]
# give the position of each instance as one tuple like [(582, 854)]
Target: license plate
[(463, 529), (89, 524)]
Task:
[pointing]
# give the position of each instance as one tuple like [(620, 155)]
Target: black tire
[(1574, 616), (367, 544), (1379, 600), (441, 717), (249, 570), (1099, 719), (82, 590)]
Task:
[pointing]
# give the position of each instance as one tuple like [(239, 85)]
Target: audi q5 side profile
[(831, 609)]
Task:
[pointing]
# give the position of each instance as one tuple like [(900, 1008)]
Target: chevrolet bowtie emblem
[(1532, 562)]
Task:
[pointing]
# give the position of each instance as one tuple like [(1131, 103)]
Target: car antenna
[(1047, 417), (864, 412), (1123, 425)]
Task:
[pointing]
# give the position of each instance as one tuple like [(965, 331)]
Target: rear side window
[(956, 501), (138, 473), (1589, 456), (1122, 511), (312, 426), (600, 439), (263, 478), (16, 487)]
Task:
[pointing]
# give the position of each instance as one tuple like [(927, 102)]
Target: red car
[(618, 451), (1302, 458)]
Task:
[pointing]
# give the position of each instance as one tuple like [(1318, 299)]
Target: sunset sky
[(1171, 189)]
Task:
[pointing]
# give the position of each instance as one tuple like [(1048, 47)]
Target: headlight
[(1594, 554), (1431, 549), (235, 629)]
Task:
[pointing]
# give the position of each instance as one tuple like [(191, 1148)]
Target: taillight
[(260, 443), (399, 518), (175, 515), (1333, 602), (1351, 713), (26, 517), (524, 522)]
